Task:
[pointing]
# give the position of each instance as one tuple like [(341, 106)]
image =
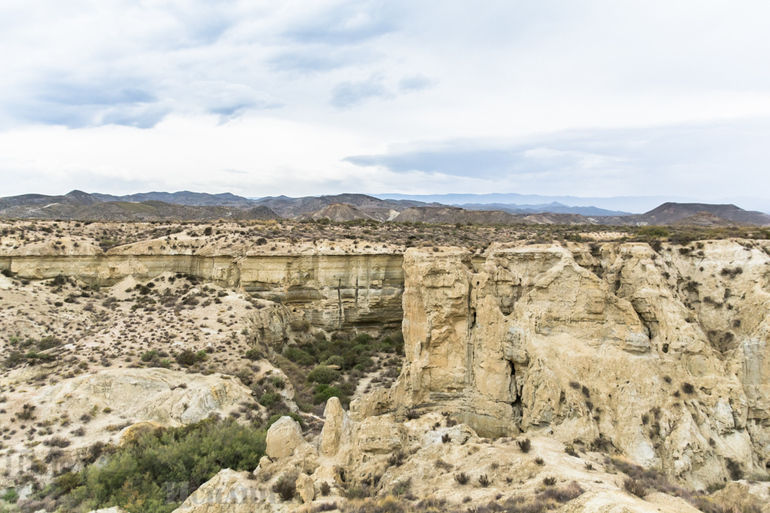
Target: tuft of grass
[(524, 445)]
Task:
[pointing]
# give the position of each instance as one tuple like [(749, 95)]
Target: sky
[(591, 98)]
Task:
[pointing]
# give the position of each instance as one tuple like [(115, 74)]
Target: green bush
[(188, 357), (135, 477), (323, 374), (335, 360), (269, 399), (48, 343), (325, 392), (149, 356), (253, 354), (10, 496), (274, 418), (299, 356)]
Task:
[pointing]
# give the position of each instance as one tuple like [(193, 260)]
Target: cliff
[(662, 356), (329, 289)]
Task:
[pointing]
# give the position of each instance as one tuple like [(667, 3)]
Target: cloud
[(72, 104), (415, 83), (348, 94), (346, 23), (683, 159)]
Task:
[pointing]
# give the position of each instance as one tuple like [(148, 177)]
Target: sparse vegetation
[(462, 478), (286, 487), (133, 476)]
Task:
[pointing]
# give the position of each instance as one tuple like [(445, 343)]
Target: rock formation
[(662, 355)]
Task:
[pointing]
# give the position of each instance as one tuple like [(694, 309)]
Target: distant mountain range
[(634, 204), (101, 207), (194, 206)]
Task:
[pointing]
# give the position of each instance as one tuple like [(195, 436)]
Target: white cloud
[(170, 93)]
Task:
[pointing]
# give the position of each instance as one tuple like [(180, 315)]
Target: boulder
[(283, 438)]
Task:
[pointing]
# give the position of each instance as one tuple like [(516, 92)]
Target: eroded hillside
[(603, 354)]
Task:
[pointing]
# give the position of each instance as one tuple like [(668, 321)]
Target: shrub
[(300, 325), (148, 356), (253, 354), (286, 487), (687, 388), (561, 495), (462, 478), (325, 392), (325, 489), (549, 481), (484, 481), (412, 414), (540, 461), (133, 476), (524, 445), (335, 360), (734, 469), (635, 487), (58, 441), (570, 449), (299, 356), (323, 374), (11, 496), (185, 358), (48, 343), (445, 438), (396, 459), (27, 412), (731, 273), (269, 399)]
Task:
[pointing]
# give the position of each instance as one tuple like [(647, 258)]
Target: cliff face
[(662, 355), (335, 291)]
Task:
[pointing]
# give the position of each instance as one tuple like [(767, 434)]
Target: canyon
[(657, 353)]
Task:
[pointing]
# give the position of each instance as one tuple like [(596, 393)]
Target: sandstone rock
[(380, 435), (135, 431), (333, 291), (227, 492), (337, 428), (145, 395), (283, 438), (306, 488), (743, 496), (650, 351)]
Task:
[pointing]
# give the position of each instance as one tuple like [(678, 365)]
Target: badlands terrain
[(314, 365)]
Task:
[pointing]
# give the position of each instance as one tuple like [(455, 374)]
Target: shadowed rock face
[(664, 355)]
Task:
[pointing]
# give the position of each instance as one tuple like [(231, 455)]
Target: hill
[(193, 199), (669, 213)]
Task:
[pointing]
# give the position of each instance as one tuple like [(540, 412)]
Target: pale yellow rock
[(332, 289), (662, 354), (135, 431), (167, 397), (228, 492), (380, 435), (337, 428), (283, 438), (306, 488)]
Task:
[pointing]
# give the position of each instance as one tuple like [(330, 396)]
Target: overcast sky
[(586, 98)]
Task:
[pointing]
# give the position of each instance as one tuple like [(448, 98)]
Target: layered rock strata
[(331, 291), (661, 355)]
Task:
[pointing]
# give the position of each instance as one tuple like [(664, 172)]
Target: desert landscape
[(362, 365), (384, 256)]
